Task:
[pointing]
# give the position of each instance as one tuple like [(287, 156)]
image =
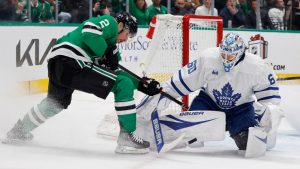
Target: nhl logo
[(254, 50), (105, 83)]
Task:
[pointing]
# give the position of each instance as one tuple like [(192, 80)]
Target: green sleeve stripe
[(103, 72), (97, 69), (81, 63)]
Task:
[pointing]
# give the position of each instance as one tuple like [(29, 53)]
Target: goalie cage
[(176, 40)]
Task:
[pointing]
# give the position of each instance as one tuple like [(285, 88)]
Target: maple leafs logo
[(226, 99)]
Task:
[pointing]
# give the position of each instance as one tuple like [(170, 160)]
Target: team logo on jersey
[(215, 72), (105, 83), (226, 99)]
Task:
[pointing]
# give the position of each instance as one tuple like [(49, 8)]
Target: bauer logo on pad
[(187, 113)]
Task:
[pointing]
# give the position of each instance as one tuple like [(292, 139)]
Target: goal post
[(177, 40)]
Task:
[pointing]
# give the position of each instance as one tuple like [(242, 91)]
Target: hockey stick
[(159, 141), (288, 78), (162, 92)]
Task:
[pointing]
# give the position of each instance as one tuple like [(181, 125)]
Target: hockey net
[(177, 40)]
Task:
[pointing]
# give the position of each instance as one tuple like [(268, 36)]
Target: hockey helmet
[(232, 47), (129, 22)]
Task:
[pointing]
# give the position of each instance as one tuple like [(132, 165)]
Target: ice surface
[(69, 141)]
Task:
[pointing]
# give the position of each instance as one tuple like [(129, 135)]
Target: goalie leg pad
[(271, 139), (257, 142), (268, 116), (203, 125), (150, 103)]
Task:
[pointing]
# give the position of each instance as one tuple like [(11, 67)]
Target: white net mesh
[(165, 55)]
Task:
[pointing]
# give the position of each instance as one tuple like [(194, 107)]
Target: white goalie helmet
[(232, 47)]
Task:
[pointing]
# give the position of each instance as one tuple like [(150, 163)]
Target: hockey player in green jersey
[(86, 59)]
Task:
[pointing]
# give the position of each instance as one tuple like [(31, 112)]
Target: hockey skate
[(129, 143), (17, 134)]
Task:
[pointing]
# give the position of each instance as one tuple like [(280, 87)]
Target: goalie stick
[(159, 141), (289, 78)]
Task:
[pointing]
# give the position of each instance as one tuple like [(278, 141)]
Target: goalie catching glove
[(149, 86), (110, 58)]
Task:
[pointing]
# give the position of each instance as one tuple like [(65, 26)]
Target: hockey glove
[(149, 86), (110, 58)]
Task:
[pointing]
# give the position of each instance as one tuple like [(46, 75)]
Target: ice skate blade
[(107, 136), (13, 141), (241, 152), (131, 150)]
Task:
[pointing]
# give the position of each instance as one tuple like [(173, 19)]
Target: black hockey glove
[(149, 86), (110, 58)]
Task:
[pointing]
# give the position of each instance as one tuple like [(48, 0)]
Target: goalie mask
[(231, 48), (129, 23)]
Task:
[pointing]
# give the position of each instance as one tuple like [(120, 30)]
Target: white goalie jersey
[(250, 76)]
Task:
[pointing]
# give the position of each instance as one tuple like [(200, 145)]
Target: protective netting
[(165, 55)]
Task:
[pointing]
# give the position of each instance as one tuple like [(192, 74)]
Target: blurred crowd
[(274, 14)]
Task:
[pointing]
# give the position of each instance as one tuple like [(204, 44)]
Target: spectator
[(296, 16), (179, 8), (156, 8), (138, 9), (63, 17), (65, 9), (251, 17), (41, 11), (287, 15), (118, 6), (192, 5), (220, 4), (79, 9), (100, 8), (243, 4), (205, 9), (234, 14), (35, 11), (8, 10), (164, 2), (277, 14)]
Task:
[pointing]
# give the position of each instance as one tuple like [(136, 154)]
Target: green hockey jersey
[(89, 40)]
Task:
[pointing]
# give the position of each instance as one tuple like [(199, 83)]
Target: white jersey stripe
[(39, 114), (92, 24), (126, 112), (33, 120), (123, 104), (94, 31)]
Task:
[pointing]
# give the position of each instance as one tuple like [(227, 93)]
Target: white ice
[(69, 141)]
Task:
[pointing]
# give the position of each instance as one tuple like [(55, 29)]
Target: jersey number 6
[(271, 79)]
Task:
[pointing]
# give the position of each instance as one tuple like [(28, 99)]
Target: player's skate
[(129, 143), (18, 134)]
